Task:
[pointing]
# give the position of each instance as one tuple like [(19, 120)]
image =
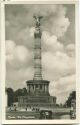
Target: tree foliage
[(10, 94), (13, 95), (19, 92), (71, 97)]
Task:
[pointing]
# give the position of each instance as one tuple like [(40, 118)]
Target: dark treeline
[(72, 96), (13, 95)]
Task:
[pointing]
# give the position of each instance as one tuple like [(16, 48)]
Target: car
[(45, 114)]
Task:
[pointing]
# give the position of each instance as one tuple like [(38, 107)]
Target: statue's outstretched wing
[(37, 17)]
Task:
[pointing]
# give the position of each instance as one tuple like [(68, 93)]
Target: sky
[(58, 46)]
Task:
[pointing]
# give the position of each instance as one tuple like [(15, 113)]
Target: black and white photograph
[(40, 61)]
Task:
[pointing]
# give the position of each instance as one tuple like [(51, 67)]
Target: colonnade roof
[(38, 81)]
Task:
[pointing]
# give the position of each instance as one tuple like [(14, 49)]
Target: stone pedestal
[(38, 87)]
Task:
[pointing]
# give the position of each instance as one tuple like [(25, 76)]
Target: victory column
[(38, 88)]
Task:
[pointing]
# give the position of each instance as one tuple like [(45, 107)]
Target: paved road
[(33, 115), (65, 117)]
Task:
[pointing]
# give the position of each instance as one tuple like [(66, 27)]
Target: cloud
[(25, 37), (62, 87), (16, 55), (18, 62), (60, 25), (58, 60), (70, 49), (51, 42), (10, 46), (54, 19), (17, 78), (58, 64)]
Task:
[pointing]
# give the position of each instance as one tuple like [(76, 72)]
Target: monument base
[(37, 95), (36, 101)]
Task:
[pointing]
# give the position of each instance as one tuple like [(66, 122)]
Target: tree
[(19, 92), (24, 91), (70, 98), (13, 95), (10, 94)]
